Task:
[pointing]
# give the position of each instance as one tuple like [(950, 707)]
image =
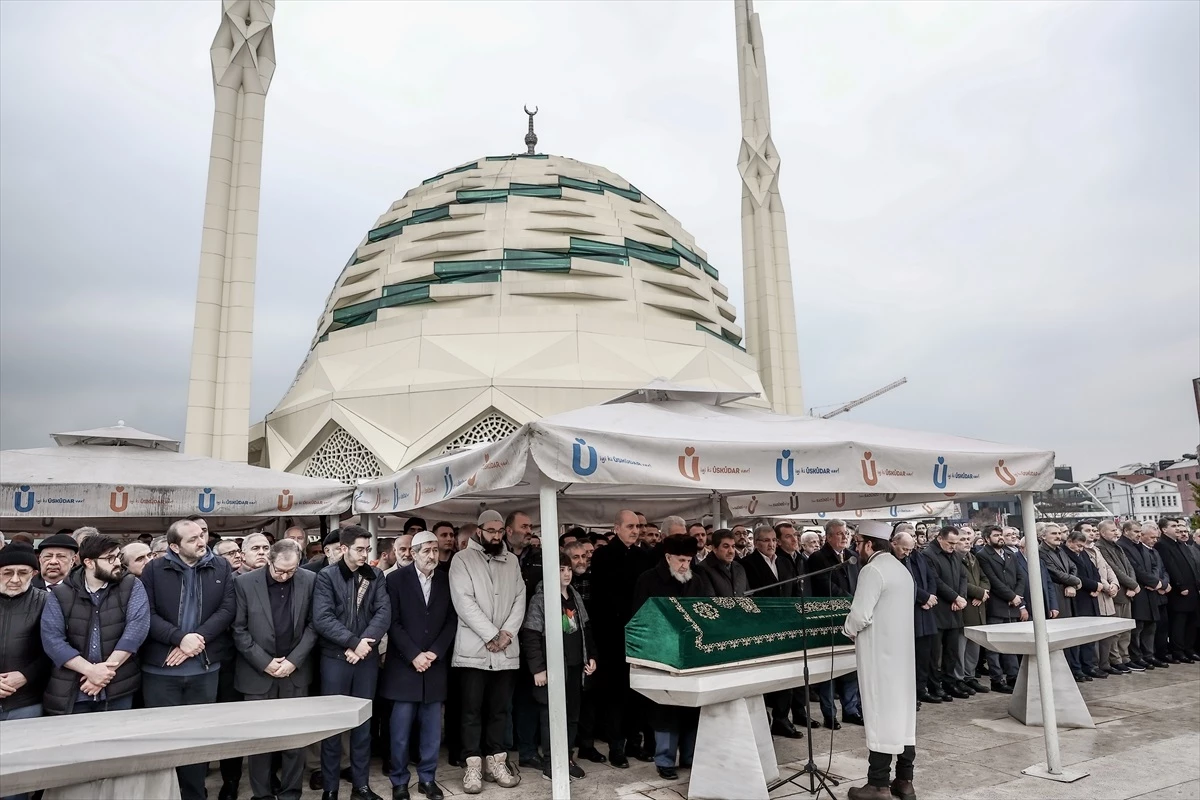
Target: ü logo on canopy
[(1005, 474), (691, 470), (25, 504), (786, 458), (869, 472), (207, 501), (284, 500), (118, 501), (418, 490), (577, 458), (839, 499), (447, 482), (941, 473)]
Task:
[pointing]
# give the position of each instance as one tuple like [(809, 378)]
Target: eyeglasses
[(492, 530), (284, 573), (113, 559)]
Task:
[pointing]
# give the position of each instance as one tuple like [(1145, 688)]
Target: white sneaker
[(473, 777), (498, 771)]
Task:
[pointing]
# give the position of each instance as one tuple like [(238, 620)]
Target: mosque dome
[(505, 289)]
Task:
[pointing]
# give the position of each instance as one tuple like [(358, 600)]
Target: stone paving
[(1146, 745)]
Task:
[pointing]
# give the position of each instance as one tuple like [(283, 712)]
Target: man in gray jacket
[(274, 635), (489, 598), (1117, 647)]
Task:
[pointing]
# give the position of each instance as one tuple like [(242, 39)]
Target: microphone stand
[(818, 779)]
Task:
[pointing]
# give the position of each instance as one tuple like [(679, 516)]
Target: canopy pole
[(555, 663), (372, 521), (1037, 611), (717, 522)]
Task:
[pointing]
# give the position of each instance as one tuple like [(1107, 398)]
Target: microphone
[(849, 560)]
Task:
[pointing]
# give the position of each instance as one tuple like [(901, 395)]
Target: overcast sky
[(1000, 202)]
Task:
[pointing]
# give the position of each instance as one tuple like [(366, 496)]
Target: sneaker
[(1133, 666), (496, 770), (574, 770), (473, 777)]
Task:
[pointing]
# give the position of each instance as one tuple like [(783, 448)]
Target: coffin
[(682, 634)]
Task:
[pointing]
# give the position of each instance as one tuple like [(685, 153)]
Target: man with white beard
[(674, 727)]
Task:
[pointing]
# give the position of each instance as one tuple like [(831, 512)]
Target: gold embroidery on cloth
[(832, 605)]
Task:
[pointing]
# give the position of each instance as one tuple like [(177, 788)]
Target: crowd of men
[(446, 631)]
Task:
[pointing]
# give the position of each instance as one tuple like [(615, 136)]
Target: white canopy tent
[(123, 473), (679, 446)]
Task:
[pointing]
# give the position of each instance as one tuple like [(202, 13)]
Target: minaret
[(243, 61), (767, 273)]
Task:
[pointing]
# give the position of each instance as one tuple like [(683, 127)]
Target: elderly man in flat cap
[(881, 624), (489, 598), (417, 669), (56, 558), (24, 667)]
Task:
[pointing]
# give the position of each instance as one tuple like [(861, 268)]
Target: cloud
[(998, 201)]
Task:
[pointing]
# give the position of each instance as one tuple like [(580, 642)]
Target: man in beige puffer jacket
[(489, 598)]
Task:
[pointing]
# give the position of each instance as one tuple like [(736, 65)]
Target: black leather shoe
[(852, 719), (431, 790), (645, 754), (1002, 687), (328, 795), (618, 759), (667, 773), (833, 724), (364, 793), (1096, 672), (1158, 662), (533, 762), (926, 697), (954, 690), (945, 698), (781, 727), (1186, 658), (974, 685), (400, 793), (1194, 656), (314, 780), (593, 755), (229, 791), (965, 687)]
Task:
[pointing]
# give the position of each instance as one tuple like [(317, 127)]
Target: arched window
[(343, 458)]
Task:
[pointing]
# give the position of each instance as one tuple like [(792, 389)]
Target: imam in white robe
[(881, 624)]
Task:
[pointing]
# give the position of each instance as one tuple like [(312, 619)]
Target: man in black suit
[(1005, 603), (416, 674), (765, 567), (1183, 600), (837, 583), (274, 634)]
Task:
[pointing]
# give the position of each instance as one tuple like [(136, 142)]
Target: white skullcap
[(489, 516), (423, 537), (875, 529)]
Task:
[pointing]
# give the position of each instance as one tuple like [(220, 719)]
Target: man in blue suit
[(416, 672)]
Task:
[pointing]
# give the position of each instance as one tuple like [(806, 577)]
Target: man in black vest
[(24, 667), (92, 627)]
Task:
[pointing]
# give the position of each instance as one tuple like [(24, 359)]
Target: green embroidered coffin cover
[(689, 632)]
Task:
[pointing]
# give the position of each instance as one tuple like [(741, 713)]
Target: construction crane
[(856, 403)]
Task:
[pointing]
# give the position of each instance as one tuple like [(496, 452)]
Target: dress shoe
[(1185, 658), (781, 727), (966, 687), (1112, 669), (314, 780), (1002, 687), (869, 792), (1079, 677), (1158, 662), (974, 683), (431, 790), (1146, 664), (667, 773), (229, 791), (956, 691), (926, 697), (328, 795), (646, 754), (1096, 672), (833, 724), (617, 759), (400, 792), (533, 762), (1194, 656), (1133, 666), (364, 793), (852, 719), (593, 755), (903, 789)]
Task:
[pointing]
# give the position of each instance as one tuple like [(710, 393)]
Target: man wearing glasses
[(351, 611), (92, 626), (274, 634)]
